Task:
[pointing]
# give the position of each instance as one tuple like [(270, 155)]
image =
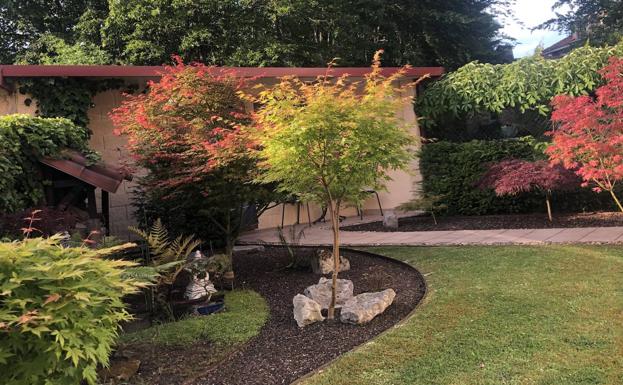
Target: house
[(112, 148), (561, 47)]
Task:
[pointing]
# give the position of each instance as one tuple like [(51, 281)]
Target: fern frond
[(168, 257), (146, 274), (158, 239), (180, 249), (138, 232), (188, 245), (167, 266)]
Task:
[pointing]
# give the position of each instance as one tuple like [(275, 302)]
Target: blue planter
[(210, 308)]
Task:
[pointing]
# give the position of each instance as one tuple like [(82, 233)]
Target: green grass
[(550, 315), (246, 312)]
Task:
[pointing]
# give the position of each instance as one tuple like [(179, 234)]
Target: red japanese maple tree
[(588, 132), (188, 132), (515, 176)]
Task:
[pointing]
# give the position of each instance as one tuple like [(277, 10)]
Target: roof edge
[(115, 71)]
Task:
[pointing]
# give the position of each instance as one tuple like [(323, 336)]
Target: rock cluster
[(306, 310), (358, 309), (390, 220)]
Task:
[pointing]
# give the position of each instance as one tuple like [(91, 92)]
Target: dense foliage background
[(491, 101), (527, 84), (23, 140), (252, 32), (452, 171)]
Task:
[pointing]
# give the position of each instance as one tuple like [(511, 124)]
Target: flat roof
[(114, 71), (100, 175)]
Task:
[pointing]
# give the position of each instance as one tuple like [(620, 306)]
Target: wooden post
[(91, 203), (94, 223), (48, 190), (106, 211)]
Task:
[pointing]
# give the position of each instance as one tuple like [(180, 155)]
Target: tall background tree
[(296, 32), (598, 21), (262, 32), (23, 22)]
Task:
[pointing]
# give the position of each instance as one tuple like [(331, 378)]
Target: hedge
[(451, 170)]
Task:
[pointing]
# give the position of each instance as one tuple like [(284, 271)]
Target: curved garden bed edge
[(398, 324)]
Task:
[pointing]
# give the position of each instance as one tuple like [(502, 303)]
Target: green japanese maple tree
[(328, 140)]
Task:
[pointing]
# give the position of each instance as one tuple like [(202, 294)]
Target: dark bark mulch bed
[(282, 352), (494, 222), (168, 365)]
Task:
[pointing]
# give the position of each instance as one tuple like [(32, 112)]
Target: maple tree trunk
[(549, 207), (616, 200), (335, 222)]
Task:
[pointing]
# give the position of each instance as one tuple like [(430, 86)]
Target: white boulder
[(306, 310), (364, 307), (321, 292), (322, 262), (390, 220)]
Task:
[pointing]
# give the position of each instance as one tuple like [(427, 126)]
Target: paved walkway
[(320, 234)]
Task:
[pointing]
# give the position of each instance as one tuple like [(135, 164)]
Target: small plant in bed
[(167, 259), (428, 203), (289, 239)]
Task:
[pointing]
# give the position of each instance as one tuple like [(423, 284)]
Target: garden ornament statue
[(200, 285)]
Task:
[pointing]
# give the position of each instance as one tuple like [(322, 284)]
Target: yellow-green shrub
[(59, 311)]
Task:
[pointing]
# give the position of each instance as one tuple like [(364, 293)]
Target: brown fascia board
[(112, 71)]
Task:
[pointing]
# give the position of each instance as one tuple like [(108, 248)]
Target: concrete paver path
[(320, 234)]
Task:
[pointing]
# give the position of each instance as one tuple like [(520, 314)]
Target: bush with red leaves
[(515, 176), (190, 133), (588, 132)]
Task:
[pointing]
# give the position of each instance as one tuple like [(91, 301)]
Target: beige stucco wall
[(113, 151)]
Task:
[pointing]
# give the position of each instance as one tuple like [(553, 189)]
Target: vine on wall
[(23, 140), (69, 98)]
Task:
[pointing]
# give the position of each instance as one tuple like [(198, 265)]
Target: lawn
[(245, 314), (550, 315)]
